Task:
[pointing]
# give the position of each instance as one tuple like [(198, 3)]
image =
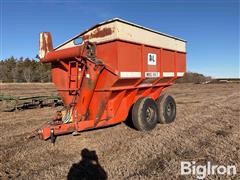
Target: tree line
[(31, 70), (24, 70)]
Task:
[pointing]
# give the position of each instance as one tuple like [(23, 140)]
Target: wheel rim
[(149, 114), (169, 109)]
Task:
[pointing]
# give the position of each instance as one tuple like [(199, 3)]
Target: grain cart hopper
[(111, 69)]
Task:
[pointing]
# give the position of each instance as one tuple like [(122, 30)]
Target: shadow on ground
[(87, 168)]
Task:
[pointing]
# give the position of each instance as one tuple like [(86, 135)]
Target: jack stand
[(52, 137)]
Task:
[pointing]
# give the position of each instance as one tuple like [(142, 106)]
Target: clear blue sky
[(211, 27)]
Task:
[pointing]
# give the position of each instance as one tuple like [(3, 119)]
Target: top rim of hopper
[(123, 21)]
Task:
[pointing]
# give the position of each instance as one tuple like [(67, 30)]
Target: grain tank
[(110, 71)]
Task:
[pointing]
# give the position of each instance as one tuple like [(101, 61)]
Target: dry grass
[(206, 129)]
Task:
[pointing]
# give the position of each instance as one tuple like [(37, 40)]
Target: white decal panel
[(168, 74), (180, 74), (152, 59), (152, 74), (130, 74)]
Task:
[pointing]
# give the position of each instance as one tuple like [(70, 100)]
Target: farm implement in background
[(15, 103)]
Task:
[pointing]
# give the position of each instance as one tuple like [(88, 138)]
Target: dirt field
[(206, 129)]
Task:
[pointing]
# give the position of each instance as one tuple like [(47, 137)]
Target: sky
[(211, 27)]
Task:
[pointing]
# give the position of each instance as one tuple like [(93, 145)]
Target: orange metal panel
[(181, 62), (124, 107), (168, 61), (106, 80), (98, 105), (108, 52), (60, 77), (129, 57), (114, 102)]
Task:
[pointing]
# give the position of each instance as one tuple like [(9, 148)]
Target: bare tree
[(27, 74)]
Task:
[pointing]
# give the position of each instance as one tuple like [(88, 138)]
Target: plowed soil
[(206, 129)]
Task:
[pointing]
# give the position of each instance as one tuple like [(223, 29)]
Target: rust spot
[(98, 33), (102, 106), (45, 44), (90, 84)]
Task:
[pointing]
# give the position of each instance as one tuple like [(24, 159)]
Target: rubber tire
[(139, 114), (162, 104)]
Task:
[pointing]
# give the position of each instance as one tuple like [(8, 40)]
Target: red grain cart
[(110, 70)]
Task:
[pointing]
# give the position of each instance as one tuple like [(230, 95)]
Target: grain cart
[(110, 70)]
